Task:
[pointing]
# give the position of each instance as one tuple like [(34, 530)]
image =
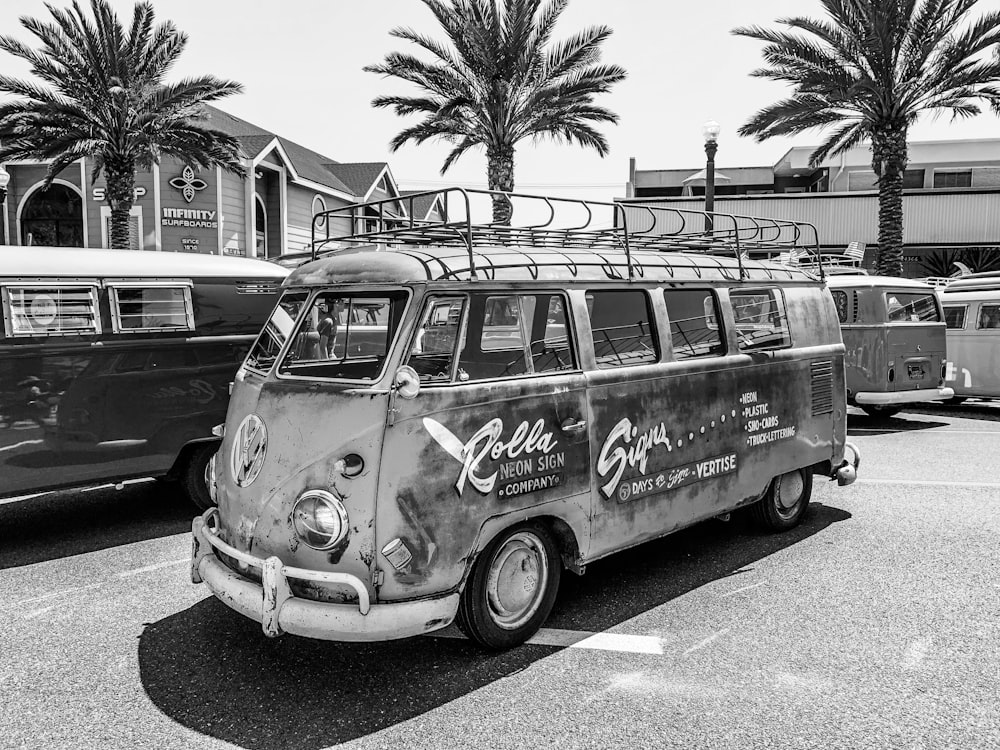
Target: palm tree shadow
[(212, 670)]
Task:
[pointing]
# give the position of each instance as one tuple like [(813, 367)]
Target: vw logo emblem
[(249, 448)]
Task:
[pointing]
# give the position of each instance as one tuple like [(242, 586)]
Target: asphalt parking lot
[(873, 624)]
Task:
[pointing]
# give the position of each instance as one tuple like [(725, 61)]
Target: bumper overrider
[(272, 604), (847, 472)]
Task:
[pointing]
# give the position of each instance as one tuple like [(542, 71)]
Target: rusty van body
[(894, 337), (538, 400), (972, 313)]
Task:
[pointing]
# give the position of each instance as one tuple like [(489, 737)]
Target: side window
[(434, 347), (515, 334), (151, 308), (45, 310), (989, 316), (694, 327), (840, 302), (621, 323), (954, 315), (760, 319)]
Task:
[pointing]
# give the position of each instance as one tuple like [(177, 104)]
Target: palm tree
[(500, 81), (106, 99), (870, 71)]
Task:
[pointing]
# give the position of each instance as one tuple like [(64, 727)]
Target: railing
[(645, 226)]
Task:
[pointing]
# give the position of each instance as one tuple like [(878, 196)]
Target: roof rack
[(633, 225)]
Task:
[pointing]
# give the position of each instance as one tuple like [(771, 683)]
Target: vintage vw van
[(117, 364), (972, 314), (535, 401), (894, 337)]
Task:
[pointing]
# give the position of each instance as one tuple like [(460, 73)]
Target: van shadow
[(72, 522), (211, 669), (860, 425)]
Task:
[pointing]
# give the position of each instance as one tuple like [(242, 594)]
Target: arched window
[(53, 217)]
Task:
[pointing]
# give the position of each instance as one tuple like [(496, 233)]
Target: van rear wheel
[(785, 501), (512, 588)]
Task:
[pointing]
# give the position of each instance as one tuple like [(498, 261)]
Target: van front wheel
[(194, 476), (785, 501), (512, 588)]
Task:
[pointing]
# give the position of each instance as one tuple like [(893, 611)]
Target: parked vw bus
[(538, 400), (972, 314), (117, 364), (894, 336)]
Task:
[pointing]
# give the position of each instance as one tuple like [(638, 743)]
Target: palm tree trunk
[(500, 173), (889, 160), (121, 195)]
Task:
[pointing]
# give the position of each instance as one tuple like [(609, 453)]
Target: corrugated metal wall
[(928, 218)]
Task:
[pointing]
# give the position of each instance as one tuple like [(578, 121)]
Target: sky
[(300, 62)]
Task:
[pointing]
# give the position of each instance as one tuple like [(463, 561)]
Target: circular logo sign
[(249, 449), (43, 309)]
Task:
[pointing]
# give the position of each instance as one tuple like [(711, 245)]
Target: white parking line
[(169, 564), (621, 642), (80, 589), (931, 483)]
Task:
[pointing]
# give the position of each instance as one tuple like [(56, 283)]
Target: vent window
[(51, 310), (151, 307)]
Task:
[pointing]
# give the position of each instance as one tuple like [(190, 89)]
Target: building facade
[(267, 214), (951, 200)]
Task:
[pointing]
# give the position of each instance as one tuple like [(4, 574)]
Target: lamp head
[(711, 131), (4, 177)]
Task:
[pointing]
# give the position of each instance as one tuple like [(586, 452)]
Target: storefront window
[(53, 218)]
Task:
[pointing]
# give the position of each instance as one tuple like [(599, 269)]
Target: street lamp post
[(4, 182), (711, 132)]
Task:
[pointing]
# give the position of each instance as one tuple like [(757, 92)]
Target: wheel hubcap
[(789, 492), (517, 580)]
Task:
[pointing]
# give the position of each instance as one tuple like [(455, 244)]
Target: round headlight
[(320, 519)]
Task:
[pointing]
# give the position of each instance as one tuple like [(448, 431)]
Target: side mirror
[(407, 382)]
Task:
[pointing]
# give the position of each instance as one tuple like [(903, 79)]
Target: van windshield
[(276, 331), (912, 307), (345, 336)]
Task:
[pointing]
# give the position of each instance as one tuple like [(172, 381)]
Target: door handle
[(572, 426)]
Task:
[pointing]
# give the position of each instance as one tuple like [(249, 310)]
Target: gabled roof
[(360, 177), (423, 205), (306, 163)]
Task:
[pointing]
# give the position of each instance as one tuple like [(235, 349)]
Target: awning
[(719, 177)]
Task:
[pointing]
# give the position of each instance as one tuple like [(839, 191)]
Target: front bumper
[(272, 604), (904, 397)]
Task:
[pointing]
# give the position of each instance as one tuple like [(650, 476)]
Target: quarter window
[(151, 308), (45, 310), (989, 316), (912, 307), (622, 329), (954, 316), (760, 319), (694, 327)]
